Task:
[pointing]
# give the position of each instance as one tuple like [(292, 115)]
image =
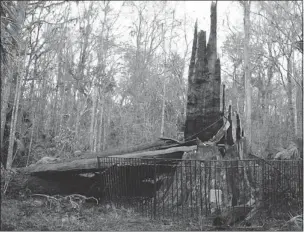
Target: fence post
[(154, 203), (100, 176), (263, 184)]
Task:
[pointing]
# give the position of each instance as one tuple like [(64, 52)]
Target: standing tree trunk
[(34, 118), (246, 5), (105, 124), (78, 111), (14, 115), (32, 136), (265, 99), (204, 84), (21, 8), (203, 110), (42, 106), (93, 112), (299, 105), (7, 83), (291, 118), (54, 113), (101, 109), (162, 127), (57, 122)]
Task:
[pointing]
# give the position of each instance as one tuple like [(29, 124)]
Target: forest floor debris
[(37, 214), (26, 214)]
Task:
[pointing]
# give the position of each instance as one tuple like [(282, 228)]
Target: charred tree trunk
[(229, 131), (203, 111), (204, 83)]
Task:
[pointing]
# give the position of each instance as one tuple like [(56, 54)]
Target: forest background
[(90, 76)]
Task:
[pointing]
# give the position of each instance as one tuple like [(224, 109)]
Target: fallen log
[(91, 164), (52, 185), (65, 177), (161, 144), (142, 147), (157, 153)]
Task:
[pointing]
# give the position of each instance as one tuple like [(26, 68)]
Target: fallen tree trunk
[(161, 143), (158, 153), (82, 175), (53, 184), (91, 164)]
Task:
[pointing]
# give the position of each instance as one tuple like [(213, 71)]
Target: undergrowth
[(65, 214), (37, 214)]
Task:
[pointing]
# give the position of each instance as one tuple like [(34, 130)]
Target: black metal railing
[(181, 189)]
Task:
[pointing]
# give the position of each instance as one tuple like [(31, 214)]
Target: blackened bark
[(229, 131), (192, 61), (238, 128), (223, 100), (203, 106)]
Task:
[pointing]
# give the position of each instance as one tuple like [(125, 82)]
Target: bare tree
[(21, 8), (246, 6)]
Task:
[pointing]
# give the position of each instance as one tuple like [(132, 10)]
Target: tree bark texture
[(163, 148), (191, 179), (299, 106), (203, 111), (229, 131), (291, 118), (247, 72), (299, 101), (204, 84), (20, 17), (9, 160), (4, 103), (101, 119), (93, 118)]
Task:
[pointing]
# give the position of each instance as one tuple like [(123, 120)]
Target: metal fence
[(181, 189)]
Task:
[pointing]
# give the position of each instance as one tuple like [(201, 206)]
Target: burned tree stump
[(204, 84), (203, 121)]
